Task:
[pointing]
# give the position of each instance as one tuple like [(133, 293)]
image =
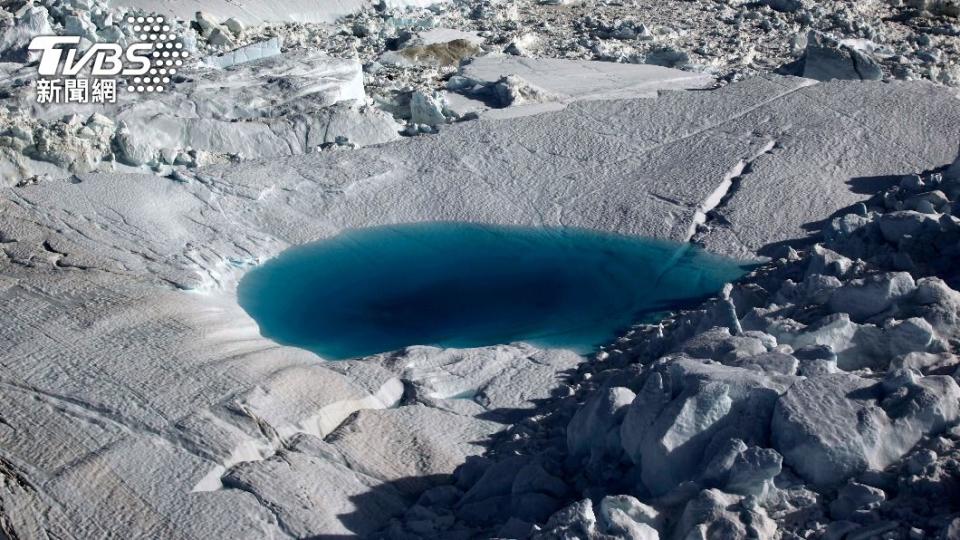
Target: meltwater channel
[(380, 289)]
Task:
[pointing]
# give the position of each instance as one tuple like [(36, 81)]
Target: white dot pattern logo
[(166, 56)]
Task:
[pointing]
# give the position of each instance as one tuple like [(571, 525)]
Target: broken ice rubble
[(830, 393)]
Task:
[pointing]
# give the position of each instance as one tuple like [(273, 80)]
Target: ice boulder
[(926, 362), (855, 345), (737, 468), (518, 486), (814, 360), (753, 470), (827, 59), (29, 21), (866, 297), (358, 125), (930, 202), (772, 362), (827, 262), (855, 497), (816, 288), (824, 426), (624, 516), (938, 304), (717, 344), (618, 516), (596, 424), (535, 493), (911, 335), (715, 514), (574, 521), (717, 471), (895, 226), (831, 427), (427, 108), (687, 410)]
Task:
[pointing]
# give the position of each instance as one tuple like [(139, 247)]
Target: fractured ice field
[(139, 399), (471, 269), (259, 11)]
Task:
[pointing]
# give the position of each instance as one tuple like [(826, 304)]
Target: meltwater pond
[(465, 285)]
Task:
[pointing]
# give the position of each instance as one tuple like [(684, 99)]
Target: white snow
[(566, 81), (120, 383)]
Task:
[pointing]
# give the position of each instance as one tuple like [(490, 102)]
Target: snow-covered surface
[(578, 80), (122, 384), (817, 397), (545, 84), (628, 153)]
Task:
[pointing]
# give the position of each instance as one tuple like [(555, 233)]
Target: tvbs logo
[(104, 59), (146, 65)]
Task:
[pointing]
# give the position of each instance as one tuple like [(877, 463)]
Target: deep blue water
[(466, 285)]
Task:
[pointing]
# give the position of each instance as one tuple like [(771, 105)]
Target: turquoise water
[(465, 285)]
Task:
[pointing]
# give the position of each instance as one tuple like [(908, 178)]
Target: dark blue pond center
[(380, 289)]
